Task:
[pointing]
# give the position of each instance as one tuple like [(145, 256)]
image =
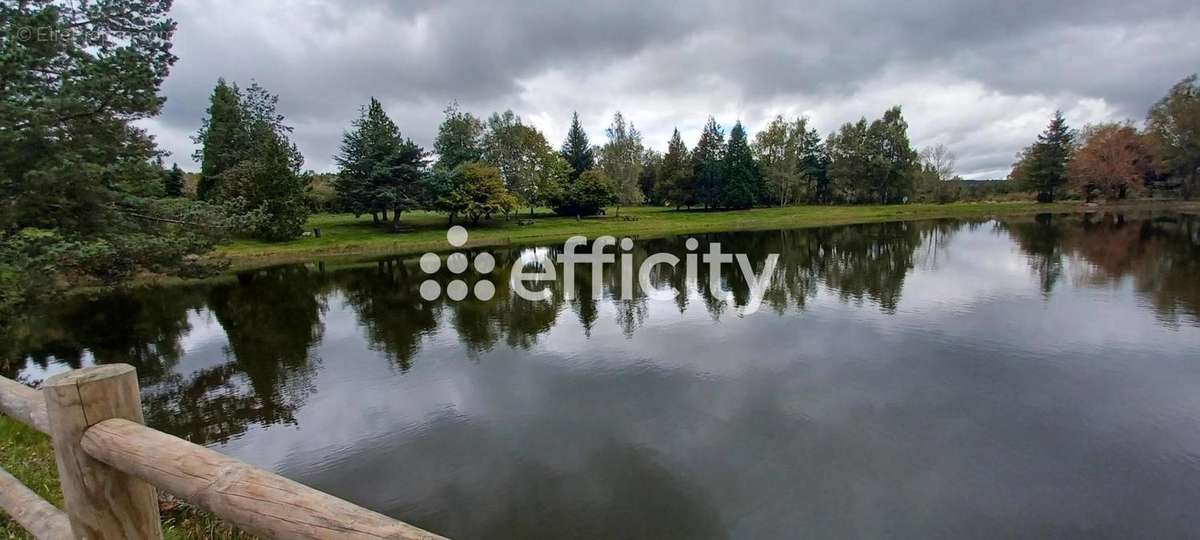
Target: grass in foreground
[(26, 454), (344, 236)]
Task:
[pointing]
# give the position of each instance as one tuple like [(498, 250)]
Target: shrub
[(586, 196)]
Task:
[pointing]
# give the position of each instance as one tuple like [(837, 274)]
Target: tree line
[(479, 168), (1116, 159)]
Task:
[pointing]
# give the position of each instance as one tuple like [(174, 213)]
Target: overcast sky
[(981, 77)]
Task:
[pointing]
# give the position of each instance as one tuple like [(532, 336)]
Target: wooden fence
[(110, 466)]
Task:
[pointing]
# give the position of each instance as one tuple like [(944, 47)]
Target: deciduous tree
[(1112, 159), (1173, 125), (850, 162), (459, 139), (650, 179), (780, 151), (478, 193), (621, 161), (587, 195), (893, 161)]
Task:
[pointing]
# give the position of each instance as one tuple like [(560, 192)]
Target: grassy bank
[(27, 455), (343, 236)]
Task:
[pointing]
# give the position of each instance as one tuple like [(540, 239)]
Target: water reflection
[(934, 378)]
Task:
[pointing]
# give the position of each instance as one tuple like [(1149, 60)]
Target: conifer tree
[(742, 186), (1046, 161), (707, 165), (173, 181), (676, 173), (378, 169), (222, 138), (577, 150)]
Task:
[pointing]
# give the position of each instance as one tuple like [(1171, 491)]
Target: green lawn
[(344, 236), (26, 454)]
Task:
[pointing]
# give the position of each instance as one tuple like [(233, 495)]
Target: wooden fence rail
[(109, 465)]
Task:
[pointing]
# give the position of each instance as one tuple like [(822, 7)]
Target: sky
[(983, 78)]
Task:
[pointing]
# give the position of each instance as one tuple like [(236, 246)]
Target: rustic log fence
[(110, 466)]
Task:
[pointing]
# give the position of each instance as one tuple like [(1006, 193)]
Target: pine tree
[(676, 174), (173, 181), (707, 167), (222, 138), (742, 187), (577, 150), (1046, 165), (76, 170)]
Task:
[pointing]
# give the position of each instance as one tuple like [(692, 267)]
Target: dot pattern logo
[(457, 263)]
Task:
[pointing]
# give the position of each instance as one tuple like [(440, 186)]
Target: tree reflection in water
[(273, 319)]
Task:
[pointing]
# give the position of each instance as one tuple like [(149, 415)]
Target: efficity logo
[(456, 263), (571, 256)]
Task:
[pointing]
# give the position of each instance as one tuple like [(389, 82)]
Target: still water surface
[(1012, 378)]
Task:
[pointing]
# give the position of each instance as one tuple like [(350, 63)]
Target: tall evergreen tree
[(1045, 166), (173, 181), (707, 165), (676, 174), (577, 150), (263, 187), (222, 138), (378, 169), (814, 164), (742, 187), (73, 162)]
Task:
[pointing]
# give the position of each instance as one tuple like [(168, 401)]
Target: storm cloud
[(981, 77)]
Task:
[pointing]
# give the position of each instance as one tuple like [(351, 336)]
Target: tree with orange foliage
[(1113, 160)]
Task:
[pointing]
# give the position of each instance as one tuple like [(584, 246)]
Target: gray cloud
[(980, 77)]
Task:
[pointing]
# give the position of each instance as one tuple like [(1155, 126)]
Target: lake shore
[(344, 237)]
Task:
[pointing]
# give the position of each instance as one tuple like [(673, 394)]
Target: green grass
[(344, 236), (26, 454)]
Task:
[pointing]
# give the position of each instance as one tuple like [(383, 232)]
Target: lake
[(1027, 376)]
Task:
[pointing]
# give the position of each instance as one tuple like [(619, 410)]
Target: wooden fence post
[(102, 502)]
